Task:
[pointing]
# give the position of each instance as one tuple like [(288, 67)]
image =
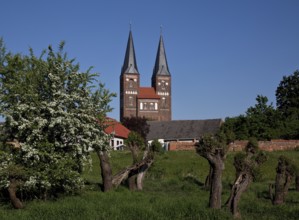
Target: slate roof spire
[(161, 66), (130, 64)]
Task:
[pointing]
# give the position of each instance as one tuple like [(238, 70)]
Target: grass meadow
[(173, 189)]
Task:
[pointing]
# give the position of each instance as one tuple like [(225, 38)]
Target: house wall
[(116, 143)]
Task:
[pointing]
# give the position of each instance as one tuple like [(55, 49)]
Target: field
[(173, 190)]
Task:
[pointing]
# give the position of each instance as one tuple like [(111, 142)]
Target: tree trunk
[(282, 184), (297, 183), (132, 178), (216, 185), (271, 191), (240, 185), (131, 172), (208, 179), (141, 174), (12, 190), (139, 180), (134, 152), (106, 171), (132, 181)]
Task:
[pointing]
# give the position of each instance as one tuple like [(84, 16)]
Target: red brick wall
[(174, 145), (273, 145)]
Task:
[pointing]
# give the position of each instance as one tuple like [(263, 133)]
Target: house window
[(152, 106), (141, 106), (145, 106), (112, 143)]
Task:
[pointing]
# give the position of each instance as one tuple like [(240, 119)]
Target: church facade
[(153, 102)]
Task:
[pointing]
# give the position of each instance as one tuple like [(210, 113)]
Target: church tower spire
[(161, 81), (130, 64), (129, 82), (161, 66)]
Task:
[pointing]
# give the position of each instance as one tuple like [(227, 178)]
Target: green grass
[(173, 190)]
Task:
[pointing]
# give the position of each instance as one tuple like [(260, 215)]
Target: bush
[(156, 146)]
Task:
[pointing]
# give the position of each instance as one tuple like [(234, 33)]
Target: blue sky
[(221, 54)]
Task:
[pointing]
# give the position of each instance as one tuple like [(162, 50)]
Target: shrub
[(156, 146)]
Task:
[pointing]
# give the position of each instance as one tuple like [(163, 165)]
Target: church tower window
[(131, 102)]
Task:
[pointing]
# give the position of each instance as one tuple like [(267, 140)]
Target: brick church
[(152, 102)]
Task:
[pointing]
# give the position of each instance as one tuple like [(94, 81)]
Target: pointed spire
[(130, 64), (161, 66)]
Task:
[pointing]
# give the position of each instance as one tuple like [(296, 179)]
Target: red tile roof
[(117, 128), (147, 93)]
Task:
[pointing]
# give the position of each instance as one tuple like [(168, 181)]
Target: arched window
[(131, 101), (131, 83), (152, 106)]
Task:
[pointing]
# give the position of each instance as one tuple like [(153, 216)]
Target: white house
[(119, 133)]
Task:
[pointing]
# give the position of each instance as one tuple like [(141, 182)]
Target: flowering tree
[(51, 112)]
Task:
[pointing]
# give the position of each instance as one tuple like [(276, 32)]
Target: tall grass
[(173, 190)]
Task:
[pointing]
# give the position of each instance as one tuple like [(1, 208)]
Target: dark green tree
[(287, 101), (137, 124), (156, 146), (262, 120)]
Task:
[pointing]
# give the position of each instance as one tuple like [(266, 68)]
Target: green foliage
[(169, 192), (286, 165), (287, 101), (137, 124), (239, 161), (135, 143), (134, 140), (156, 146), (261, 121), (287, 94), (252, 146), (265, 122), (212, 144), (236, 127), (250, 161), (50, 110)]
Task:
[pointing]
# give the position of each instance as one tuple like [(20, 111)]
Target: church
[(153, 102)]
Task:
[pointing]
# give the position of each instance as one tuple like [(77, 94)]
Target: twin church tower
[(153, 102)]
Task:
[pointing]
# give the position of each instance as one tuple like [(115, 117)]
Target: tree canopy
[(266, 122), (137, 124), (52, 111)]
